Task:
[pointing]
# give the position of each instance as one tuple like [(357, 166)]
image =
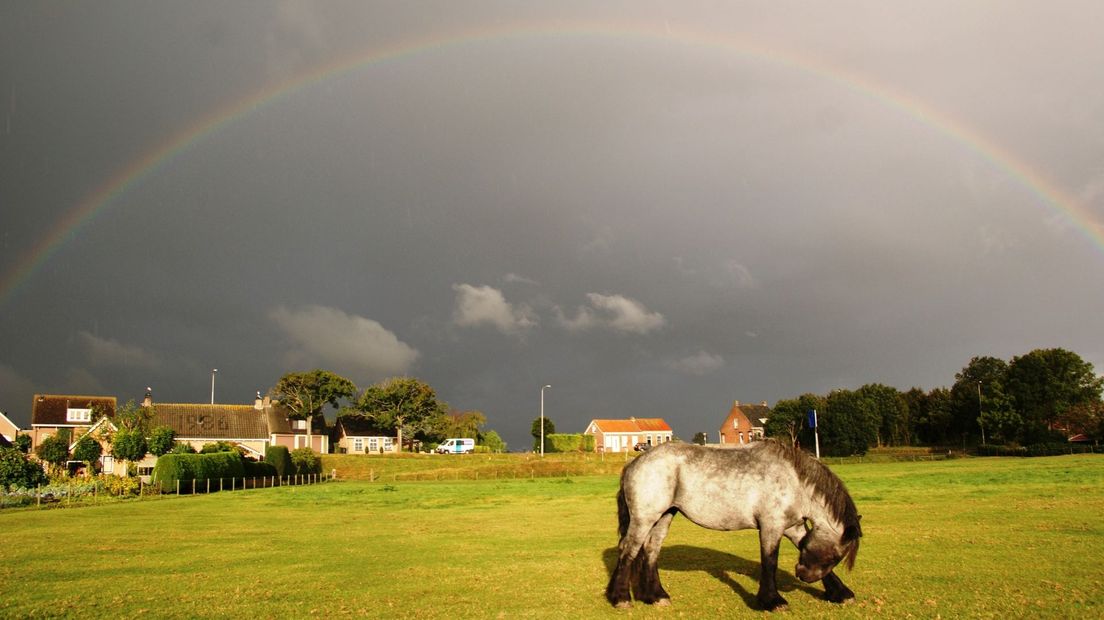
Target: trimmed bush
[(305, 461), (187, 467), (16, 470), (569, 442), (280, 458), (254, 469)]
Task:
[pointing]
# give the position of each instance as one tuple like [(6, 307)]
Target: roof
[(52, 409), (753, 413), (202, 421), (357, 426), (631, 425)]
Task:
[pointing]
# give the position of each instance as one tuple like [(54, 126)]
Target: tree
[(788, 419), (988, 373), (929, 414), (23, 443), (161, 440), (54, 449), (889, 414), (134, 417), (307, 393), (701, 438), (129, 444), (404, 404), (848, 425), (493, 442), (1084, 419), (462, 424), (1044, 384), (17, 471), (535, 431), (88, 450)]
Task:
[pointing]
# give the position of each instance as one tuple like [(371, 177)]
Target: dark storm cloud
[(654, 225)]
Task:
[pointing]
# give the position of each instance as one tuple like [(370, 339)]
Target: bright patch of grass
[(959, 538)]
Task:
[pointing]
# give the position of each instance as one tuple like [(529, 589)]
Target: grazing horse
[(774, 487)]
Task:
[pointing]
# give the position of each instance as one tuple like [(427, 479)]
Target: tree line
[(406, 406), (1044, 396)]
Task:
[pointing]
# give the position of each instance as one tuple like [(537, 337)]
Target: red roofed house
[(744, 423), (622, 435), (8, 430)]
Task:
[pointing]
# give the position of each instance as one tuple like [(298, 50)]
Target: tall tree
[(305, 394), (1045, 383), (989, 375), (929, 414), (463, 424), (888, 412), (789, 419), (535, 431), (848, 425), (405, 404)]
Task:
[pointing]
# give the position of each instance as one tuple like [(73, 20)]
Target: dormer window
[(299, 425), (78, 415)]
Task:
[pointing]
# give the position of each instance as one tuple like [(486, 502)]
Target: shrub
[(565, 442), (305, 461), (254, 469), (493, 442), (88, 450), (54, 449), (16, 470), (23, 443), (182, 448), (129, 445), (280, 458), (187, 467), (161, 440), (217, 446)]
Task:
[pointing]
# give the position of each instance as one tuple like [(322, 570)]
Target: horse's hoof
[(663, 602), (623, 605)]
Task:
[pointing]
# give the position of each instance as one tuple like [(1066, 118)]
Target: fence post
[(38, 494), (178, 487)]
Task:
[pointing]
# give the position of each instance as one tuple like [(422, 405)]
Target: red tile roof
[(52, 409), (631, 425)]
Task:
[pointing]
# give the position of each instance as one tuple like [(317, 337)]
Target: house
[(744, 423), (8, 430), (51, 412), (252, 427), (100, 432), (358, 435), (622, 435)]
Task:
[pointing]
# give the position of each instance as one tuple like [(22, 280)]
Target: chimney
[(258, 404), (735, 403), (764, 403), (148, 400)]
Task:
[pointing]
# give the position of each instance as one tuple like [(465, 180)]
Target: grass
[(959, 538)]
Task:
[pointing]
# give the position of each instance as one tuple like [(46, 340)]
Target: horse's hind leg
[(649, 590), (768, 597), (618, 591), (834, 590)]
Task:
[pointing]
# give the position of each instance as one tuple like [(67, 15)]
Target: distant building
[(8, 430), (622, 435), (358, 435), (744, 423)]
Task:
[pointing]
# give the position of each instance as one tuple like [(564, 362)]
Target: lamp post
[(213, 372), (981, 423), (542, 419)]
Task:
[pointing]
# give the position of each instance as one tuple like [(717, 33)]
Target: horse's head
[(823, 548)]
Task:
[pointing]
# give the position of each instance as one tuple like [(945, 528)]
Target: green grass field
[(962, 538)]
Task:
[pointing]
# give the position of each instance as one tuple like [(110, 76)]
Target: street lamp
[(542, 419), (213, 372)]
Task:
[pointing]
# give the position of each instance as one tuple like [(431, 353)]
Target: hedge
[(255, 469), (280, 458), (573, 442), (1039, 449), (184, 468)]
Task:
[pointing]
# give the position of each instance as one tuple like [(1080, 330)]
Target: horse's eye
[(808, 525)]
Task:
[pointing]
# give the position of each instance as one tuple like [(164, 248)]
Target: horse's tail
[(622, 513)]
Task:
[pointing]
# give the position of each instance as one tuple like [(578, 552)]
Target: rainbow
[(1048, 194)]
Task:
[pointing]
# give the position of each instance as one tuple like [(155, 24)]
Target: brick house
[(744, 423), (622, 435), (51, 413)]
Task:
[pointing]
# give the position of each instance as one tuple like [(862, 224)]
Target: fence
[(104, 490)]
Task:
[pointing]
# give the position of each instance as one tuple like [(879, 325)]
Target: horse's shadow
[(719, 565)]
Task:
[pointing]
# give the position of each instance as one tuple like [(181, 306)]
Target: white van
[(456, 445)]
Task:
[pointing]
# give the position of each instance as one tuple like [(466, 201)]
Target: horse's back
[(718, 488)]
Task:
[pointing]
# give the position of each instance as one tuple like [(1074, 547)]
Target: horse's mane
[(826, 484)]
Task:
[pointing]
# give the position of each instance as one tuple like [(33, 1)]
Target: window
[(388, 444), (373, 444), (78, 415), (299, 425), (358, 445)]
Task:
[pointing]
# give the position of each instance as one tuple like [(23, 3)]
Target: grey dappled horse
[(774, 487)]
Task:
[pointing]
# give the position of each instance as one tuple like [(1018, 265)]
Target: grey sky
[(657, 207)]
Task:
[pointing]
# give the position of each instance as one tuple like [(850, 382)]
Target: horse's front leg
[(834, 590), (768, 597)]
